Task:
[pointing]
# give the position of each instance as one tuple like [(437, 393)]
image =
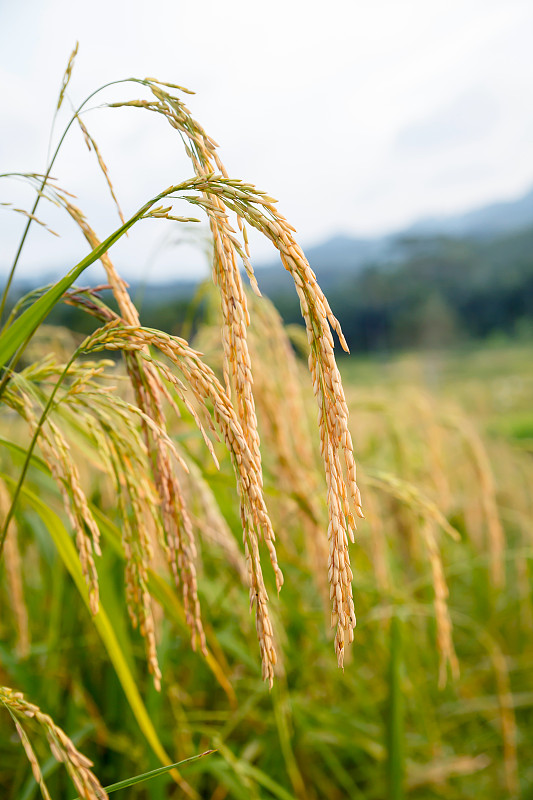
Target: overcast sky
[(359, 116)]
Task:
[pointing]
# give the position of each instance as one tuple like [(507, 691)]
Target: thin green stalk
[(23, 328), (154, 773), (31, 447), (16, 358), (395, 715), (8, 371), (282, 712), (24, 301), (44, 181)]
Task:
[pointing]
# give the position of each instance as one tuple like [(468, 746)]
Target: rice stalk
[(412, 497), (496, 535), (434, 440), (395, 714), (125, 456), (67, 76), (91, 145), (429, 517), (15, 585), (445, 645), (508, 720)]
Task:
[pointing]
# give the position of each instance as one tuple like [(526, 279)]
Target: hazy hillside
[(491, 220), (332, 261), (345, 253), (440, 282)]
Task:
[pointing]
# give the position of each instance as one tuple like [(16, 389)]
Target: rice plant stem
[(395, 712), (13, 340), (11, 366), (43, 183)]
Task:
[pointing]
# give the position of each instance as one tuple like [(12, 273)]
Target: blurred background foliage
[(444, 443)]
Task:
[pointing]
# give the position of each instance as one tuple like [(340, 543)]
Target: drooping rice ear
[(62, 748), (67, 76), (283, 415), (445, 645), (56, 453), (219, 195), (207, 391), (150, 393)]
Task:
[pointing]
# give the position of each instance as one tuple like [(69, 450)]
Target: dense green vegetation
[(435, 292), (321, 732)]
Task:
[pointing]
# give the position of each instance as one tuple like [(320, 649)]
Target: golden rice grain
[(62, 748)]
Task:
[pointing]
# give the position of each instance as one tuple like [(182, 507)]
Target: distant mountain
[(488, 221), (331, 261), (347, 252), (343, 255)]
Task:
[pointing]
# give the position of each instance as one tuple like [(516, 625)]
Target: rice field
[(181, 565)]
